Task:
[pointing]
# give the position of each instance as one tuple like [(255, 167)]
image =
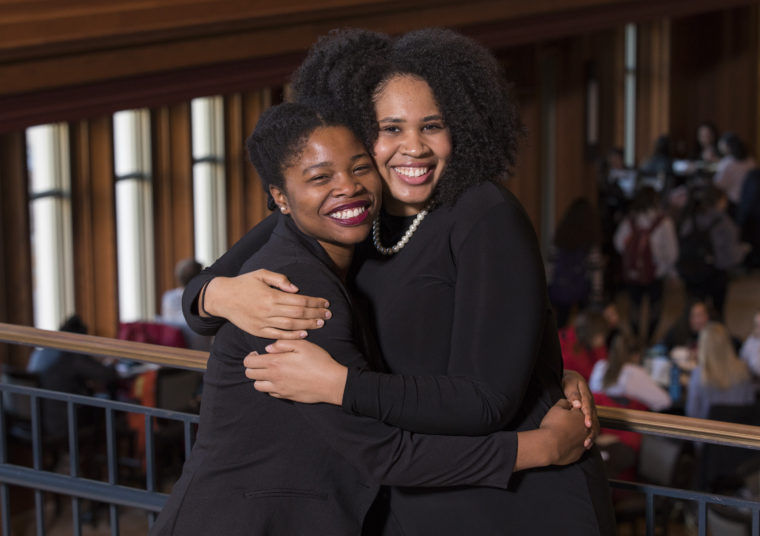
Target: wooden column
[(618, 87), (714, 74), (756, 64), (246, 200), (571, 136), (653, 85), (172, 192), (94, 225), (15, 248), (521, 68)]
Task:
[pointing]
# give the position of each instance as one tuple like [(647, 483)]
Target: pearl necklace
[(404, 239)]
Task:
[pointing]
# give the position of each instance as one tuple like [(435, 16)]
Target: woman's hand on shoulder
[(577, 392), (297, 370), (264, 304)]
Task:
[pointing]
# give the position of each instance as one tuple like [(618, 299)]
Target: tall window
[(50, 212), (134, 215), (630, 95), (208, 178)]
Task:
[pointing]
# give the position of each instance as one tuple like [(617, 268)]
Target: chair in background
[(718, 464), (176, 390), (730, 471), (662, 462)]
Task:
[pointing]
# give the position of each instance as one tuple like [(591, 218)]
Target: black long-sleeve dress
[(464, 324), (266, 466)]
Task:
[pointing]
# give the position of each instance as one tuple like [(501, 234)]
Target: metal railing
[(151, 500)]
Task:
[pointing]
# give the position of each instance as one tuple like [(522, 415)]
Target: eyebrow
[(328, 163), (435, 117)]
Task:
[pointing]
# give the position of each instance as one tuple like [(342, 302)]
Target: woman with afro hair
[(453, 279)]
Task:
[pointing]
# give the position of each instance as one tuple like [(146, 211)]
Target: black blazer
[(266, 466)]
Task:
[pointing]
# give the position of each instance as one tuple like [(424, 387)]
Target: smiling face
[(413, 144), (332, 191)]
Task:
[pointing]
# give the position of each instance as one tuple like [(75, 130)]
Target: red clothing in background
[(577, 358)]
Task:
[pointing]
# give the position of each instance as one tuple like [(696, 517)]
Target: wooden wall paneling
[(254, 103), (653, 85), (172, 192), (63, 43), (735, 75), (16, 305), (608, 59), (714, 73), (51, 59), (236, 161), (246, 201), (756, 18), (618, 87), (571, 180), (94, 225), (521, 69)]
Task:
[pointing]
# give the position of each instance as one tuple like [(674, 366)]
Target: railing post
[(39, 497), (112, 468), (5, 505), (71, 411)]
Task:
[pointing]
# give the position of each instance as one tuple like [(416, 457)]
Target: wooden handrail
[(648, 422), (627, 419), (104, 347)]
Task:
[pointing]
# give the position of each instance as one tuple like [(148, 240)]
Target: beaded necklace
[(404, 239)]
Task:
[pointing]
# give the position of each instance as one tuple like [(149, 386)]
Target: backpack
[(637, 259), (570, 283), (696, 257)]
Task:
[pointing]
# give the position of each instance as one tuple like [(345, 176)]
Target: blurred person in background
[(171, 301), (648, 245), (732, 168), (171, 305), (709, 248), (584, 342), (750, 351), (720, 377), (622, 376), (706, 145), (575, 263)]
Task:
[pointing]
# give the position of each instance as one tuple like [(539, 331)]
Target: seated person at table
[(750, 352), (262, 465), (615, 324), (583, 342), (720, 377), (622, 376), (683, 334), (78, 374), (171, 305), (43, 358)]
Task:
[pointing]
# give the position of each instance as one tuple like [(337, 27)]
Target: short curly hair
[(352, 66), (280, 137)]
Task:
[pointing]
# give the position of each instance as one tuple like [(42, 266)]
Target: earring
[(282, 209)]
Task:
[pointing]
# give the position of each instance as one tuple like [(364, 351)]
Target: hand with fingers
[(297, 370), (264, 304), (579, 395), (566, 432)]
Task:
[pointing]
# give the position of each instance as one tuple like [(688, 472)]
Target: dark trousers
[(636, 294)]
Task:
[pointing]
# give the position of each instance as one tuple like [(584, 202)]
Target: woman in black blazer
[(266, 466)]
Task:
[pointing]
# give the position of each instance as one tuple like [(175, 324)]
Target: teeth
[(348, 213), (412, 171)]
